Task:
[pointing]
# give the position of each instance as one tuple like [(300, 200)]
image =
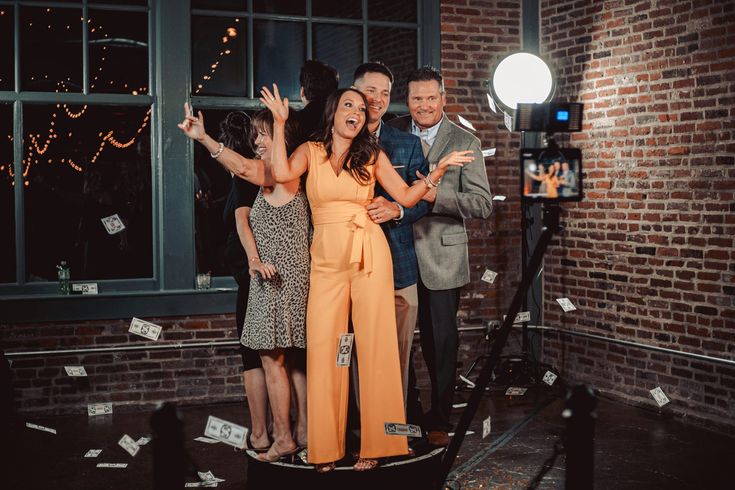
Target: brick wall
[(648, 256), (475, 35)]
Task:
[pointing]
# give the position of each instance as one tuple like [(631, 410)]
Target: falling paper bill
[(142, 441), (499, 198), (464, 122), (409, 430), (112, 465), (40, 427), (491, 103), (522, 316), (99, 409), (515, 390), (113, 224), (468, 433), (344, 350), (144, 329), (201, 484), (209, 477), (508, 120), (658, 394), (549, 378), (488, 153), (489, 276), (304, 455), (565, 304), (85, 288), (206, 439), (459, 405), (75, 370), (128, 443), (486, 426), (92, 453), (226, 432)]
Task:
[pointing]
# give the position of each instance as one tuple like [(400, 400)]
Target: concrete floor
[(634, 449)]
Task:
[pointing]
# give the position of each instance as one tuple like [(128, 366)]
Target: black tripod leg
[(498, 345)]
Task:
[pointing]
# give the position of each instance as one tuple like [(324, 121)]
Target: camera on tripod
[(552, 173)]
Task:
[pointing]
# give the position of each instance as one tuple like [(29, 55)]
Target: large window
[(90, 95)]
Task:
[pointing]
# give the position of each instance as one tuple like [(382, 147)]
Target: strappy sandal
[(325, 467), (249, 446), (366, 464)]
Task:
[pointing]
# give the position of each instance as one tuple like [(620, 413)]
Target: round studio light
[(521, 78)]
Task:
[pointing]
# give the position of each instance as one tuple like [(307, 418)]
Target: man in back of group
[(440, 239), (375, 80), (317, 80)]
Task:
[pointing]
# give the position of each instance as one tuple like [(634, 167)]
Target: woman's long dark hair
[(363, 150)]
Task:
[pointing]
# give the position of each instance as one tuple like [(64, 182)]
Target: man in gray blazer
[(440, 238)]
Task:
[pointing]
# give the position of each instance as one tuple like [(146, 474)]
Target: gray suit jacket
[(440, 237)]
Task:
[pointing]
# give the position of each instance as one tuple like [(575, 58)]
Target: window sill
[(114, 305)]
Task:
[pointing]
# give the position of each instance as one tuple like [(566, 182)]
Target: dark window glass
[(7, 198), (297, 7), (280, 50), (219, 56), (51, 49), (116, 2), (340, 46), (211, 187), (118, 51), (6, 48), (397, 49), (350, 9), (239, 5), (84, 164), (396, 10)]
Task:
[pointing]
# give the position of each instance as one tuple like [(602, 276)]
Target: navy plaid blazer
[(405, 153)]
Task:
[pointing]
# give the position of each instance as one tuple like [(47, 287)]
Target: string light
[(231, 33)]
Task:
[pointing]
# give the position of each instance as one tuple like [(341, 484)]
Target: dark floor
[(634, 449)]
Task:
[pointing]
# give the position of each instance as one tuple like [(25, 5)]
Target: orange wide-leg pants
[(340, 282)]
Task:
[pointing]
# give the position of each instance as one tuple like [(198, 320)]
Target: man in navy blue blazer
[(404, 150)]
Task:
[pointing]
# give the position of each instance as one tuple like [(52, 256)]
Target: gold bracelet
[(219, 151)]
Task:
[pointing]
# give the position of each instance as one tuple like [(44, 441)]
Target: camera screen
[(551, 174)]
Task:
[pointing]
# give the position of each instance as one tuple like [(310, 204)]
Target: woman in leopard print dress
[(275, 322)]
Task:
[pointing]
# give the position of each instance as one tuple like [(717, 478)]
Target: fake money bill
[(226, 432), (99, 409), (488, 152), (498, 197), (491, 103), (549, 378), (489, 276), (486, 427), (112, 465), (75, 370), (344, 349), (40, 427), (142, 441), (128, 443), (92, 453), (515, 390), (566, 305), (464, 122), (659, 396), (144, 329), (208, 440), (113, 224), (409, 430), (208, 477)]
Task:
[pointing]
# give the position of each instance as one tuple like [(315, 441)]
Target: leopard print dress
[(276, 314)]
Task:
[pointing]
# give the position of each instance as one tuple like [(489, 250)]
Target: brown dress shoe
[(438, 438)]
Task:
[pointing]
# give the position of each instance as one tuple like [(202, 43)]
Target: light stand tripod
[(551, 226)]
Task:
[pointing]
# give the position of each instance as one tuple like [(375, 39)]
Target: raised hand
[(273, 101), (192, 126)]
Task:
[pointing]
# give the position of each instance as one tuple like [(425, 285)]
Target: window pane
[(118, 51), (350, 9), (280, 50), (117, 2), (219, 56), (211, 188), (340, 46), (241, 5), (280, 6), (87, 163), (396, 10), (6, 48), (397, 49), (7, 199), (51, 49)]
